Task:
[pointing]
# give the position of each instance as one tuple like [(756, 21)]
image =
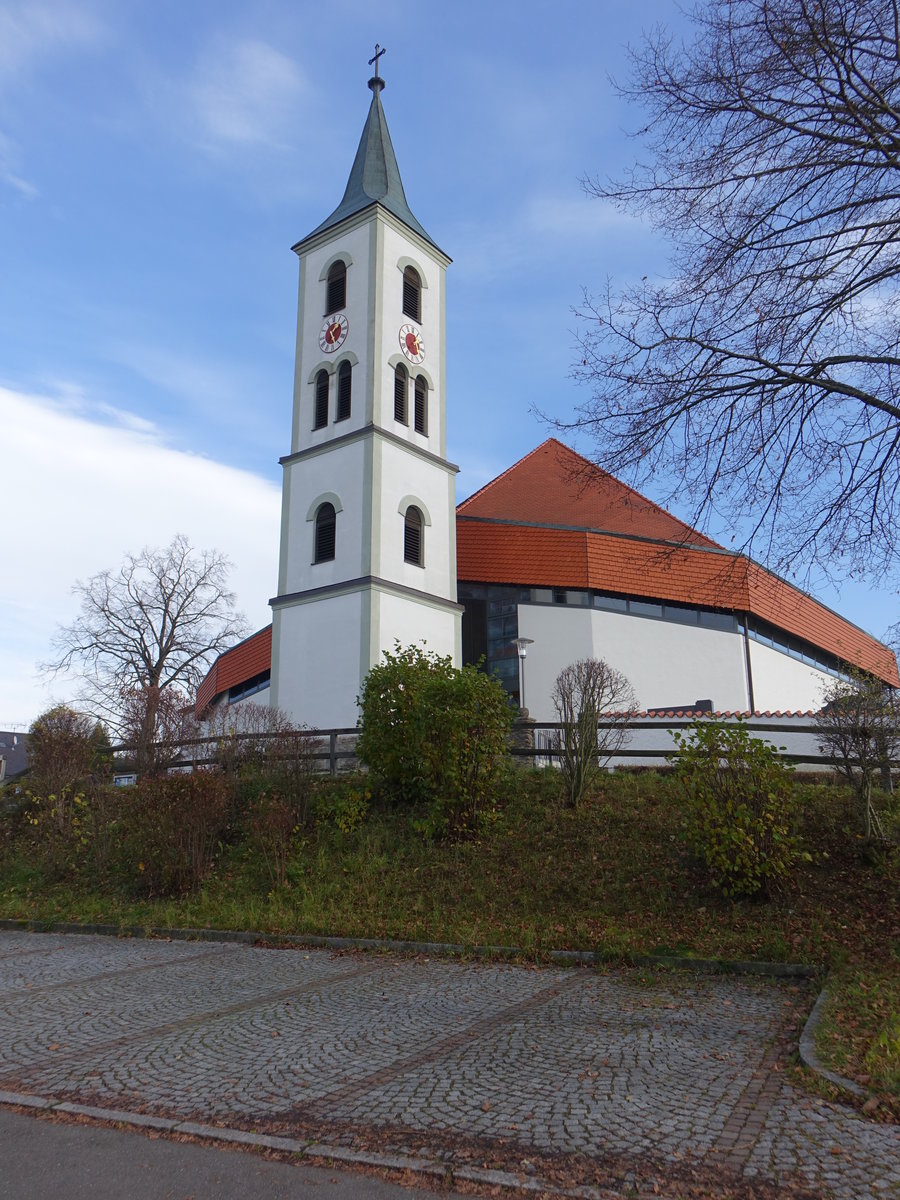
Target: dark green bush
[(435, 737), (739, 806)]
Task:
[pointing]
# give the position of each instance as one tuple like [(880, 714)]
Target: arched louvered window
[(343, 391), (401, 382), (412, 536), (325, 532), (336, 291), (321, 414), (421, 405), (412, 293)]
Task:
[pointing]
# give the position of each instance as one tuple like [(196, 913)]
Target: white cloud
[(77, 493), (9, 157), (244, 93), (30, 30), (543, 227)]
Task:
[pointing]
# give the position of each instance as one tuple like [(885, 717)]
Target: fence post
[(332, 753), (521, 737)]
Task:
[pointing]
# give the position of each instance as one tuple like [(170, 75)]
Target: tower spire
[(374, 176)]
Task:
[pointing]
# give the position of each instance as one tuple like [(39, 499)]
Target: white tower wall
[(333, 619)]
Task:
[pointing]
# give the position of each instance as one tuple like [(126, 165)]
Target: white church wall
[(400, 249), (319, 678), (667, 664), (339, 472), (561, 636), (404, 476), (422, 625), (784, 684)]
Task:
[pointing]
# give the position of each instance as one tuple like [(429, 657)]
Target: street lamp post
[(522, 645)]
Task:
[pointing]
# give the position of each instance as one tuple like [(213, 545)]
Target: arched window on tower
[(343, 391), (413, 526), (326, 522), (401, 381), (320, 418), (336, 290), (412, 293), (421, 405)]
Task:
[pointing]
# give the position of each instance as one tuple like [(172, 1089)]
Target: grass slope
[(613, 876)]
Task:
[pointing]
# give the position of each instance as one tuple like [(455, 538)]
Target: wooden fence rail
[(334, 749)]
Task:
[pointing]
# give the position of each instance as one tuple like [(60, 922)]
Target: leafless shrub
[(585, 693), (859, 726)]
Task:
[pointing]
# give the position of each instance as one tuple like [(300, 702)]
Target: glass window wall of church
[(497, 610)]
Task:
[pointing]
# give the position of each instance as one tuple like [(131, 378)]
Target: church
[(554, 560)]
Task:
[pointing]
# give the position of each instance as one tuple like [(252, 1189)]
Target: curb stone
[(312, 1150), (704, 966), (810, 1058)]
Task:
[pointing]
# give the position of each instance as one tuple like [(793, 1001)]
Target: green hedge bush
[(435, 737), (739, 805)]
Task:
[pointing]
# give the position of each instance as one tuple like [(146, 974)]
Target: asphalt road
[(45, 1159)]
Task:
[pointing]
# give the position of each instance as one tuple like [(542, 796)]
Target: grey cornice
[(363, 217), (358, 584), (368, 431)]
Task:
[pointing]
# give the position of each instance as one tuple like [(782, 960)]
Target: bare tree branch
[(763, 378), (153, 626)]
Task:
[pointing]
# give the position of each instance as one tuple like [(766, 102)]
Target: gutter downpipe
[(747, 662)]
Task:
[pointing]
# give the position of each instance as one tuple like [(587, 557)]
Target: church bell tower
[(368, 526)]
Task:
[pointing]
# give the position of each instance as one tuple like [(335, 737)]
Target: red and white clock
[(333, 332), (411, 343)]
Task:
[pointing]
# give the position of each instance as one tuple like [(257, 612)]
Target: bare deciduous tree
[(594, 703), (763, 376), (157, 724), (147, 630), (859, 726)]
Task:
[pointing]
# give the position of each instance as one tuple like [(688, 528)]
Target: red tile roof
[(555, 520), (248, 658), (491, 552), (555, 486)]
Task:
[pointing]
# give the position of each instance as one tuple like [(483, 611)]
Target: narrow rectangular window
[(343, 396), (421, 413), (400, 394), (412, 287), (321, 413), (336, 294), (412, 537)]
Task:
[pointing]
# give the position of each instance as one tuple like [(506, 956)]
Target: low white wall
[(781, 682), (790, 735), (318, 673)]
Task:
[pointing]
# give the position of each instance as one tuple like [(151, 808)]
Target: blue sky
[(157, 161)]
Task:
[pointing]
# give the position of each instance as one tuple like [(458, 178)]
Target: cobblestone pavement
[(675, 1068)]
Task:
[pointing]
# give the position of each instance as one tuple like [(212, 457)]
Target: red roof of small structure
[(248, 658)]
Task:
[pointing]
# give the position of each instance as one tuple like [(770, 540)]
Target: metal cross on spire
[(379, 50)]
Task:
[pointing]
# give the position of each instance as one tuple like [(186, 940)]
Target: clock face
[(411, 343), (333, 332)]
